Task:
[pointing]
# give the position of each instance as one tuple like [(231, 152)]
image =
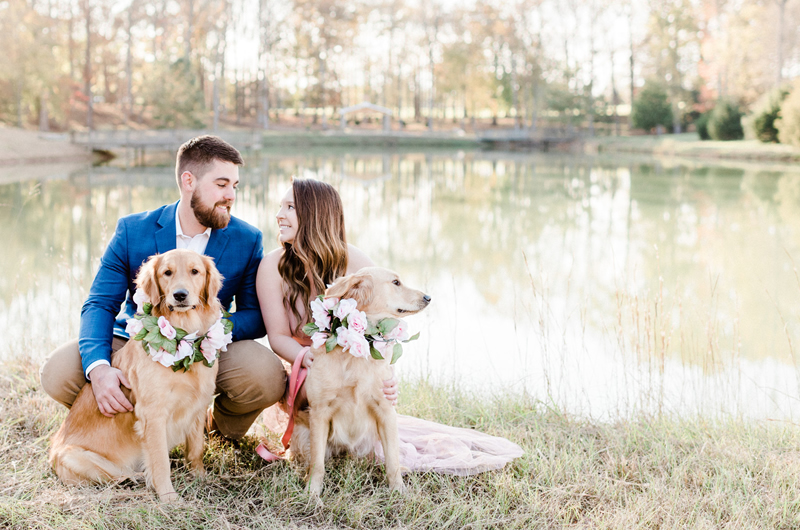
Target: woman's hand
[(308, 359), (390, 390)]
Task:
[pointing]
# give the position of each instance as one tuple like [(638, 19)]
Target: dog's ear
[(213, 280), (147, 279), (356, 286)]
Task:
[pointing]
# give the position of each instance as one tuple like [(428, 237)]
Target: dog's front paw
[(314, 487), (398, 486), (169, 497)]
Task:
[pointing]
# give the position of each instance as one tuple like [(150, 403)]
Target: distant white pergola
[(366, 105)]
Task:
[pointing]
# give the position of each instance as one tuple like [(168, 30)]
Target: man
[(250, 376)]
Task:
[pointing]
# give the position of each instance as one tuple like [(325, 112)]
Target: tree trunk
[(187, 36), (44, 121), (87, 69), (128, 101)]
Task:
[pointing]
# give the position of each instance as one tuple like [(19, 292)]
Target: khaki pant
[(250, 379)]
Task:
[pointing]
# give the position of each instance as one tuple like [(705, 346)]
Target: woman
[(314, 253)]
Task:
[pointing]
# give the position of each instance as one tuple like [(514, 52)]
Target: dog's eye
[(195, 271), (396, 282), (167, 272)]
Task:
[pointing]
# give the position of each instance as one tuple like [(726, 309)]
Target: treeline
[(77, 64)]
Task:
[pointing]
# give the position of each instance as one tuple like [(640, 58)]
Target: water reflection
[(606, 286)]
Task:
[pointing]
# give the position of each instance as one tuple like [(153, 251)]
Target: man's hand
[(106, 382), (390, 390)]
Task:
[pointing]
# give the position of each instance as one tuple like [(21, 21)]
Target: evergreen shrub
[(725, 122), (651, 108)]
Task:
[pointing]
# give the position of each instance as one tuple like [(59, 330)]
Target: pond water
[(601, 285)]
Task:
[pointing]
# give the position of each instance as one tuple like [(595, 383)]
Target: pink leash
[(296, 381)]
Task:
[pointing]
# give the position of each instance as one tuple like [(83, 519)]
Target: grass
[(654, 472)]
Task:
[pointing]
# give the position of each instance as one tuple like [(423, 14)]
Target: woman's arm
[(269, 286), (357, 260)]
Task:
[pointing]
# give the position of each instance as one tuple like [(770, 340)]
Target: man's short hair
[(198, 153)]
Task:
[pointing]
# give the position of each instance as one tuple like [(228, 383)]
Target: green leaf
[(141, 335), (152, 335), (226, 314), (310, 328), (169, 345), (375, 353), (179, 334), (372, 329), (387, 324), (330, 343), (397, 353), (413, 337), (147, 307), (228, 325)]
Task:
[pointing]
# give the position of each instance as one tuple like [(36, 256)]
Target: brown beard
[(209, 217)]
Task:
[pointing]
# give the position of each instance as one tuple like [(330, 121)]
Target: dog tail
[(75, 466)]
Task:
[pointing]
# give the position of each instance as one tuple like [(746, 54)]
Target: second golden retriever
[(347, 409), (169, 406)]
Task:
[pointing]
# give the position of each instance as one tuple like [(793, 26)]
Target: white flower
[(320, 314), (162, 356), (216, 340), (184, 350), (343, 337), (134, 327), (318, 339), (345, 307), (140, 298)]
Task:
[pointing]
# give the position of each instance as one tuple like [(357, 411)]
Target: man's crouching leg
[(250, 379)]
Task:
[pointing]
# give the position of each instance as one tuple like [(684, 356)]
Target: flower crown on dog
[(339, 322), (173, 346)]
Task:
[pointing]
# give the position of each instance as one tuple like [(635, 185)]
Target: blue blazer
[(237, 251)]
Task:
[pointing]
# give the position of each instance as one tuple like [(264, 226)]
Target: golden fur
[(347, 409), (169, 407)]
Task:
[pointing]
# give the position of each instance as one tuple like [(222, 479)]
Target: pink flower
[(184, 350), (357, 322), (356, 344), (216, 339), (139, 298), (343, 337), (330, 303), (162, 356), (359, 347), (318, 339), (134, 327), (209, 350), (166, 328), (345, 307), (400, 332), (385, 348)]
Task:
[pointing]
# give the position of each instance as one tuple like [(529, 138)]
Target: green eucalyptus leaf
[(170, 346), (387, 324), (375, 353), (397, 352), (310, 328), (330, 344)]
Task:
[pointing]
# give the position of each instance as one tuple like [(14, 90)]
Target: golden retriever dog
[(347, 410), (169, 407)]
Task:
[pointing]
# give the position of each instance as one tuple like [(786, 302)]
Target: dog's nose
[(427, 299), (180, 295)]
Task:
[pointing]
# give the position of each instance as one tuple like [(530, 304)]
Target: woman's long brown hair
[(318, 254)]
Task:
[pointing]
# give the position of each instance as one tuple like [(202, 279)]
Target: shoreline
[(688, 145)]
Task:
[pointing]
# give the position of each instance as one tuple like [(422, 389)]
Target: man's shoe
[(214, 433)]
